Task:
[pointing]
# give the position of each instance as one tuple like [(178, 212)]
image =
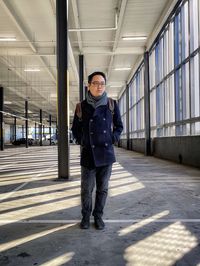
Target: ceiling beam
[(117, 51), (79, 36), (18, 23), (21, 51), (22, 28), (165, 14), (15, 83), (72, 62), (10, 64), (117, 34), (77, 24), (70, 51), (18, 93), (53, 6), (14, 51)]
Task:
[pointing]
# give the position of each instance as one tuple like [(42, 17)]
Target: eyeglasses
[(97, 84)]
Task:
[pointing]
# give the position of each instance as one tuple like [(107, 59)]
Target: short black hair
[(90, 77)]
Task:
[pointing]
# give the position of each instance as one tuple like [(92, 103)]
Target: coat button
[(104, 131), (91, 120), (93, 146), (91, 133), (104, 119), (106, 144)]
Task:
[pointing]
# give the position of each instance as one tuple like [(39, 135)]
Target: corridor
[(152, 214)]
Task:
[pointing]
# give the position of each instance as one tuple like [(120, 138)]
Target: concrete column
[(56, 129), (81, 78), (147, 105), (1, 118), (50, 128), (62, 83), (86, 89), (26, 122), (40, 128), (35, 130), (15, 128)]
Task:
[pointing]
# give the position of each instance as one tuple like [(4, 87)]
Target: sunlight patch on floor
[(164, 247), (133, 227), (29, 238), (61, 260)]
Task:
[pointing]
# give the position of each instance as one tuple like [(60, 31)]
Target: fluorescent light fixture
[(32, 70), (115, 86), (134, 38), (53, 95), (122, 68), (7, 39), (7, 102)]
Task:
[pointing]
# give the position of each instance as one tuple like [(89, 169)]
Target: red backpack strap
[(79, 111)]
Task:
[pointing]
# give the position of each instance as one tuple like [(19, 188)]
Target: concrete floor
[(152, 214)]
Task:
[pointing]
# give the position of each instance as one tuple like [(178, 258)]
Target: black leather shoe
[(85, 223), (99, 224)]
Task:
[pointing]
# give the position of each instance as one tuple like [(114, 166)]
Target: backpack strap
[(111, 105), (79, 111)]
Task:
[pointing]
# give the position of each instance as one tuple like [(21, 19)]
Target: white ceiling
[(102, 23)]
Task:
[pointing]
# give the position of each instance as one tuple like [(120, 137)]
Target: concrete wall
[(134, 144), (183, 149), (123, 143), (137, 145)]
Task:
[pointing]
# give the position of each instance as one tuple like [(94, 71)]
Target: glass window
[(185, 31), (166, 53), (167, 101), (171, 46), (176, 98), (152, 69), (195, 86), (171, 99), (174, 78), (194, 26), (122, 106), (136, 108), (177, 39)]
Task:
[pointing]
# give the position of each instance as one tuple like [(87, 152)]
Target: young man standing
[(96, 127)]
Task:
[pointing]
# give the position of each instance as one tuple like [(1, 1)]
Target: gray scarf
[(96, 101)]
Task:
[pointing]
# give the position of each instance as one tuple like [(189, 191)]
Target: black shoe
[(99, 224), (85, 223)]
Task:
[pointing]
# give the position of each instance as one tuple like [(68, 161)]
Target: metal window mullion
[(127, 117), (190, 99), (1, 117), (198, 7)]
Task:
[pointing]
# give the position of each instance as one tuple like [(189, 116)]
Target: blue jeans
[(101, 176)]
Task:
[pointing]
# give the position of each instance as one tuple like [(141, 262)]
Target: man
[(96, 127)]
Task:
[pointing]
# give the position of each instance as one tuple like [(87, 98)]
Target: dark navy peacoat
[(96, 132)]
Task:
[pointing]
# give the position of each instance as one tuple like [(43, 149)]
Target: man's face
[(97, 86)]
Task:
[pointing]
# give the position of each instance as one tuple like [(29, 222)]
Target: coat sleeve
[(117, 124), (77, 129)]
